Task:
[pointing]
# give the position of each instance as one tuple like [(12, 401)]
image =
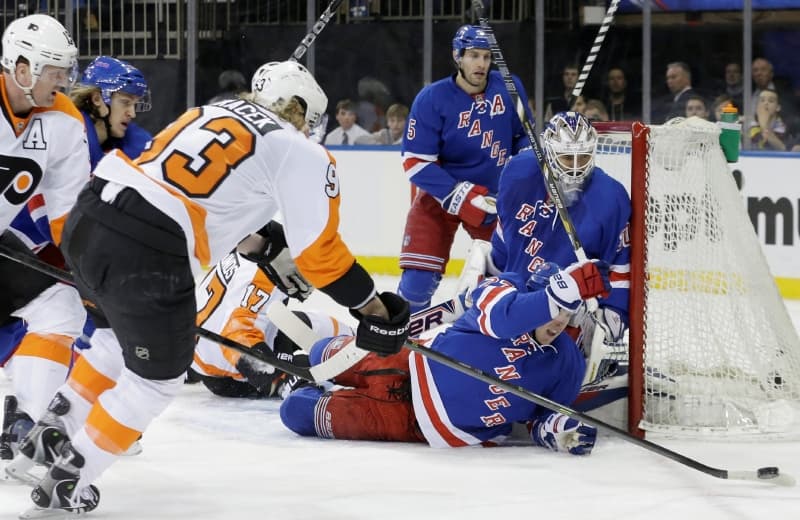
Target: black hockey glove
[(267, 379), (277, 263), (380, 335)]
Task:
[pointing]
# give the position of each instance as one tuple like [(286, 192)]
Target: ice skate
[(57, 496)]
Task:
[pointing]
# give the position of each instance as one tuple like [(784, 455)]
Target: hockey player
[(232, 300), (143, 230), (109, 93), (514, 330), (529, 231), (46, 162), (460, 133)]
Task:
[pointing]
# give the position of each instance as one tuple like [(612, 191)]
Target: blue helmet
[(540, 277), (470, 37), (112, 75)]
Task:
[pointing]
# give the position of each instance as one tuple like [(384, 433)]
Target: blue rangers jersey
[(452, 136), (529, 231), (496, 336)]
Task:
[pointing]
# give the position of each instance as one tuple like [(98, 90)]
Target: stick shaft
[(595, 50), (320, 24)]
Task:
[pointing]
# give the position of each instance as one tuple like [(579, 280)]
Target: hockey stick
[(769, 475), (550, 181), (595, 50), (318, 373), (309, 38)]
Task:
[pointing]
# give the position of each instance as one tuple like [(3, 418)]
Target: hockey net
[(712, 350)]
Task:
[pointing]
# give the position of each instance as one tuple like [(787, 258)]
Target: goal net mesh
[(720, 354)]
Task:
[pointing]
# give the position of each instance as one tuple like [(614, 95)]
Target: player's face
[(574, 162), (547, 333), (123, 110), (51, 80), (475, 66), (397, 126)]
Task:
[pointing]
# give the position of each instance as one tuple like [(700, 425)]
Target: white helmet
[(569, 141), (41, 40), (281, 80)]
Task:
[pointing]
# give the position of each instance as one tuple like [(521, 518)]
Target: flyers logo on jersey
[(19, 177)]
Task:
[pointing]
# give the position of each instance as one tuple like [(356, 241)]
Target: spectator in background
[(719, 102), (764, 78), (622, 106), (768, 131), (696, 106), (595, 111), (396, 117), (231, 84), (348, 130), (560, 103), (734, 86), (679, 83), (579, 104), (373, 98)]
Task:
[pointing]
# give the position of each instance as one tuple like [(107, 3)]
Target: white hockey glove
[(578, 282), (561, 433), (278, 265)]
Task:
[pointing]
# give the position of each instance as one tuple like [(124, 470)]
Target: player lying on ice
[(514, 330)]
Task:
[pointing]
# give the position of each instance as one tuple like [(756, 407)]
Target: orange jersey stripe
[(215, 371), (55, 347), (87, 381), (107, 433)]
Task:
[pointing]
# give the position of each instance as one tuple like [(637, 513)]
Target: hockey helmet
[(112, 75), (281, 80), (469, 37), (569, 142), (43, 41)]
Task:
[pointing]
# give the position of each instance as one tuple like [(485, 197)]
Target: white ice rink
[(212, 458)]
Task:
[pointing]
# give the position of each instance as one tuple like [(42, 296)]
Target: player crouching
[(514, 329)]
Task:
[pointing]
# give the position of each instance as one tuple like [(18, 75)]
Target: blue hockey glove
[(559, 432)]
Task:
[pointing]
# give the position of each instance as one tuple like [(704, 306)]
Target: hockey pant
[(427, 240), (377, 407)]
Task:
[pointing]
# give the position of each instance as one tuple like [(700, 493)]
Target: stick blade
[(767, 475)]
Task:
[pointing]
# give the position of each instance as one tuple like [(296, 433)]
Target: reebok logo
[(385, 332)]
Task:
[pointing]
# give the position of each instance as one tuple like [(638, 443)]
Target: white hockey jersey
[(232, 300), (44, 153), (223, 171)]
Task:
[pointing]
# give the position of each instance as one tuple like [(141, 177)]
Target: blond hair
[(291, 110), (81, 96)]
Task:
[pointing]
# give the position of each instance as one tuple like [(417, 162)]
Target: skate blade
[(53, 514), (134, 449), (21, 470)]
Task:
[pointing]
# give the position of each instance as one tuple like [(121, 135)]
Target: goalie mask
[(111, 75), (278, 81), (569, 142), (43, 41)]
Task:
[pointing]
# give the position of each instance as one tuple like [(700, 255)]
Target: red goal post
[(712, 350)]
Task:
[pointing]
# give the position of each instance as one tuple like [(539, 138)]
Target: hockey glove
[(384, 336), (611, 322), (471, 203), (266, 378), (277, 263), (561, 433), (580, 281)]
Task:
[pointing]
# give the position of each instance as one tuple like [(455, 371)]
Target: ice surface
[(212, 458)]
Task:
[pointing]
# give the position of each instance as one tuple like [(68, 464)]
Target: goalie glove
[(277, 263), (559, 432), (580, 281), (611, 322), (471, 203)]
